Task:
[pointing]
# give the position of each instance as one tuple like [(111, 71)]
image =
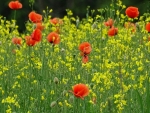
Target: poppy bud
[(77, 22), (103, 38), (94, 26), (53, 104), (64, 92), (91, 85), (18, 46), (94, 100), (56, 80), (31, 89), (62, 50), (71, 99)]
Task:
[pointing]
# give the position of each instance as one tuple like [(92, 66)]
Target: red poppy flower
[(147, 27), (132, 12), (131, 26), (56, 21), (85, 48), (85, 59), (39, 26), (112, 31), (36, 35), (53, 38), (109, 23), (80, 90), (15, 5), (35, 17), (16, 41), (30, 41)]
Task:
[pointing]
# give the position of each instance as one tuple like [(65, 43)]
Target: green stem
[(15, 13)]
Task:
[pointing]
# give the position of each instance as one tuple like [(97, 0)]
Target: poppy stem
[(59, 99), (53, 47), (15, 14)]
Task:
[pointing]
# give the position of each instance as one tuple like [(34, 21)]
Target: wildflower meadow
[(96, 64)]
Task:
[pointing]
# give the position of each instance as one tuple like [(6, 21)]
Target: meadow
[(107, 51)]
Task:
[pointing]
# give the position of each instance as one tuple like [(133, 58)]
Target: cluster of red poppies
[(131, 12), (79, 90), (36, 35), (112, 30), (85, 49)]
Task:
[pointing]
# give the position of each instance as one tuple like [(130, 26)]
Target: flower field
[(98, 64)]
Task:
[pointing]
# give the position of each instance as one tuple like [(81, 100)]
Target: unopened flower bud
[(91, 85), (18, 45), (53, 104), (77, 22), (103, 38), (71, 99), (64, 92), (56, 80), (62, 50), (94, 26)]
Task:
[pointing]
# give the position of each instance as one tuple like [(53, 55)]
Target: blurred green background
[(59, 7)]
